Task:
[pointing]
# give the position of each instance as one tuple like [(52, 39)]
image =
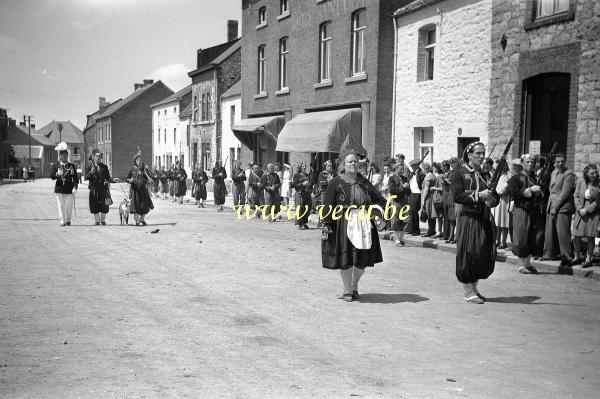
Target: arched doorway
[(546, 118)]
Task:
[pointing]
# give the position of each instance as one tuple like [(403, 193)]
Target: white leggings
[(65, 207)]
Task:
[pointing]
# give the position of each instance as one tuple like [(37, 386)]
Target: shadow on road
[(391, 298), (526, 300)]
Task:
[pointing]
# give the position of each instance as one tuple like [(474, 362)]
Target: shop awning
[(246, 130), (323, 131)]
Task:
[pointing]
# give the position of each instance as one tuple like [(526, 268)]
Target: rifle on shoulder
[(413, 172), (502, 162)]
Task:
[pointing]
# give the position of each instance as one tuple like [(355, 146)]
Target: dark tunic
[(324, 178), (238, 177), (164, 181), (272, 183), (98, 178), (181, 182), (302, 196), (200, 178), (219, 174), (155, 180), (396, 187), (141, 203), (526, 216), (475, 227), (67, 181), (337, 252), (256, 191)]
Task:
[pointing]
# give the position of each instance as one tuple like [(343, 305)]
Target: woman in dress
[(449, 204), (98, 177), (502, 211), (385, 178), (199, 179), (138, 178), (587, 214), (437, 200), (376, 177), (400, 188), (219, 174), (181, 186), (525, 192), (427, 198), (475, 230), (285, 184), (352, 244), (302, 198), (163, 186)]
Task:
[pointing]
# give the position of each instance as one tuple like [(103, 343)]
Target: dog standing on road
[(124, 211)]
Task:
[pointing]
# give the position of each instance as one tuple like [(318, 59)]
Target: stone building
[(301, 61), (57, 131), (171, 133), (119, 129), (545, 80), (231, 109), (217, 69), (442, 77)]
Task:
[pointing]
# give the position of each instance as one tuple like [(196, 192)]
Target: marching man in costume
[(65, 174)]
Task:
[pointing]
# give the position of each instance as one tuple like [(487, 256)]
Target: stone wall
[(569, 43), (457, 98)]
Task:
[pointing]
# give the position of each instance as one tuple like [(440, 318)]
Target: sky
[(58, 56)]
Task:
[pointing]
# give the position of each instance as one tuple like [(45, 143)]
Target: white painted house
[(442, 77), (171, 132), (231, 110)]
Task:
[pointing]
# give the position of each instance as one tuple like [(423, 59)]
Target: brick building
[(5, 148), (546, 77), (308, 56), (443, 71), (217, 69), (171, 133), (57, 131), (119, 129)]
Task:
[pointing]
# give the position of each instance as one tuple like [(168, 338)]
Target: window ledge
[(550, 20), (356, 78), (260, 95), (262, 25), (282, 92), (325, 83), (284, 15)]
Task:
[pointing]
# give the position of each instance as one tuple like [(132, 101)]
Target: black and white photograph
[(300, 199)]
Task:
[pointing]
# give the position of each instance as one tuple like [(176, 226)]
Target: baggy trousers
[(65, 207)]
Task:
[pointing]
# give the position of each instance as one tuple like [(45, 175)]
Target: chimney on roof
[(232, 30), (137, 86), (199, 58), (148, 82), (102, 104)]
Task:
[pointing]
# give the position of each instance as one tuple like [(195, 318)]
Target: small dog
[(124, 211)]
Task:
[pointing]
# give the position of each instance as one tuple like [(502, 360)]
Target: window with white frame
[(262, 15), (325, 52), (283, 6), (262, 61), (283, 65), (423, 138), (547, 8), (358, 42)]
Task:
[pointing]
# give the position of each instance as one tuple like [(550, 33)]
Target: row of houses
[(22, 145), (397, 76)]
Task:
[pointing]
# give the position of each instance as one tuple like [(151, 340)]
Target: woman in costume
[(199, 178), (219, 174), (138, 178), (399, 186), (302, 198), (285, 184), (587, 214), (352, 244), (475, 229), (181, 182), (99, 180), (526, 193)]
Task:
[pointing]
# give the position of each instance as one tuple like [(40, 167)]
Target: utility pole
[(27, 120)]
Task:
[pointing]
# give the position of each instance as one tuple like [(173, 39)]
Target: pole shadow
[(391, 298), (526, 300)]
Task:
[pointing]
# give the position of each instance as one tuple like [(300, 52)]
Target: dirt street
[(211, 307)]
